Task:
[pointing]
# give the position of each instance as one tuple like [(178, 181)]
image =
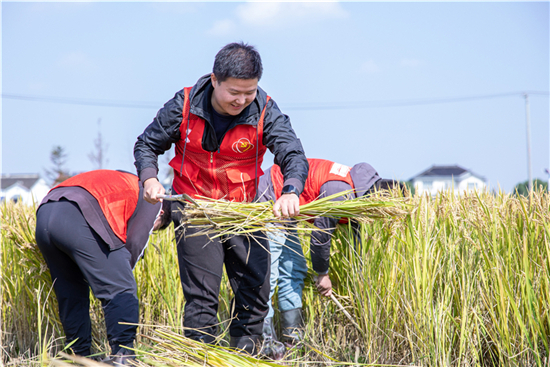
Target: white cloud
[(369, 67), (285, 13), (259, 13), (278, 14), (222, 28), (411, 63)]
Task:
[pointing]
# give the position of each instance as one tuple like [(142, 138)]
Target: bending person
[(288, 265), (91, 230)]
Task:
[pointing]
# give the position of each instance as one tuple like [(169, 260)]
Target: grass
[(459, 281)]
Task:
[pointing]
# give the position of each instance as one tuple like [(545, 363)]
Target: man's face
[(232, 96)]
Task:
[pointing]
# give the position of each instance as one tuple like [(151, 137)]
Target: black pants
[(79, 259), (201, 261)]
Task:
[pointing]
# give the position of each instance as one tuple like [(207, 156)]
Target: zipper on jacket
[(214, 178)]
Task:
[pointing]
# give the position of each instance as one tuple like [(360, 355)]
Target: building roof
[(446, 171), (25, 180)]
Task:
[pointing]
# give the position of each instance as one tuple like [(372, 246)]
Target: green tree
[(522, 188), (58, 173)]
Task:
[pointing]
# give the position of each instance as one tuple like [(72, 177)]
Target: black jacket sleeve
[(281, 140), (158, 137), (140, 226), (320, 240), (320, 243)]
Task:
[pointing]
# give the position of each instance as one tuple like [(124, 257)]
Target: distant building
[(441, 178), (28, 188)]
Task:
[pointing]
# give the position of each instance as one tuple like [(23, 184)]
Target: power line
[(87, 102), (410, 102), (290, 107)]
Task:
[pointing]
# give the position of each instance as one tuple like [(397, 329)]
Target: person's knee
[(123, 307)]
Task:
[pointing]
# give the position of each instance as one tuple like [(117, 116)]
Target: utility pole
[(528, 141)]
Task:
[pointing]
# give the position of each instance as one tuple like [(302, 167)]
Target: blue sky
[(361, 81)]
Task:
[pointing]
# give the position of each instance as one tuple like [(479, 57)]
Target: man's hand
[(324, 285), (288, 205), (151, 188)]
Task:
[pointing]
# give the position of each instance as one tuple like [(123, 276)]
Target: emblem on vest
[(339, 169), (242, 145), (186, 136)]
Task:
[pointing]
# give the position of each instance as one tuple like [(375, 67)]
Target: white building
[(28, 188), (442, 178)]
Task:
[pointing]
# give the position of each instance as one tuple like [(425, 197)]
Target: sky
[(400, 85)]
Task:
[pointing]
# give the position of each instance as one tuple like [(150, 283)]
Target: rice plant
[(26, 285), (222, 217), (461, 281), (455, 281)]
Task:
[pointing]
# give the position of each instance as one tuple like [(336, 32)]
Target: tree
[(58, 173), (522, 188), (409, 186), (97, 156)]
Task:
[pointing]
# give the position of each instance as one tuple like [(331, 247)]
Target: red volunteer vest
[(116, 192), (320, 172), (230, 172)]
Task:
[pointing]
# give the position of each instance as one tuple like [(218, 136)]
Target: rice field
[(458, 281)]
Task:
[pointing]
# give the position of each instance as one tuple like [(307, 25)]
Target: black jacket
[(278, 136)]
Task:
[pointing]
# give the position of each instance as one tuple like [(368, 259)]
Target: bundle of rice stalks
[(167, 348), (222, 217)]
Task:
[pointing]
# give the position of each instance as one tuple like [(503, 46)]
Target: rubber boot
[(121, 358), (248, 344), (271, 347), (293, 327)]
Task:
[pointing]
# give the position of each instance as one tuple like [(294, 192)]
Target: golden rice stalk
[(222, 217), (167, 348)]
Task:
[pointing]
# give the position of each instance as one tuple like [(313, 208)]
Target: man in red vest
[(288, 265), (91, 230), (222, 126)]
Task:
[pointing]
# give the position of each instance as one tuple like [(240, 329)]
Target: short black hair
[(166, 217), (237, 60)]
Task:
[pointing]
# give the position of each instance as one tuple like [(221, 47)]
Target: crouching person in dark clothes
[(91, 230)]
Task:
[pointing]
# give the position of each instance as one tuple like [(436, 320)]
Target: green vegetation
[(522, 188), (460, 281)]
